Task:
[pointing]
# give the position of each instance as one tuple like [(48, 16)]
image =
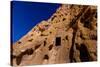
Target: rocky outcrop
[(70, 35)]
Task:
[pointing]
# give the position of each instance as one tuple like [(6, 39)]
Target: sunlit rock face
[(70, 35)]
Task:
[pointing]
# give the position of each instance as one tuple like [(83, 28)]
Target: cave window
[(58, 41)]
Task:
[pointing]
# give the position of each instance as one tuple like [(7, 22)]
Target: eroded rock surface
[(70, 35)]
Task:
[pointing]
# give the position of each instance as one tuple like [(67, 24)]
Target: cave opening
[(58, 41), (84, 54), (46, 57)]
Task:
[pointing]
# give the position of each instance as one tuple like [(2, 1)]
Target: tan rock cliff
[(70, 35)]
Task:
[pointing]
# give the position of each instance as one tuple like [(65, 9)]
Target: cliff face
[(70, 35)]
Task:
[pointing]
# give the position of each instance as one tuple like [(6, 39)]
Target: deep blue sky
[(25, 15)]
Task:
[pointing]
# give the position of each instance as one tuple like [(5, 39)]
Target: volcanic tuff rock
[(70, 35)]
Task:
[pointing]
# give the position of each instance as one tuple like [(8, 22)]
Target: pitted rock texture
[(70, 35)]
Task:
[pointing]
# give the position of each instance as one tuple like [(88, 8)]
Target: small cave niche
[(50, 32), (66, 37), (50, 47), (96, 15), (18, 59), (29, 51), (46, 25), (30, 40), (96, 24), (19, 42), (64, 19), (43, 34), (93, 37), (58, 41), (20, 56), (45, 43), (53, 17), (31, 34), (81, 36), (46, 57), (37, 46), (84, 54), (87, 24)]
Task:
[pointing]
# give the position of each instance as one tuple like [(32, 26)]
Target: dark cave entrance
[(84, 54), (58, 41)]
